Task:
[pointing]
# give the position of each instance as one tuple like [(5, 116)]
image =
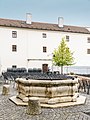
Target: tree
[(63, 56)]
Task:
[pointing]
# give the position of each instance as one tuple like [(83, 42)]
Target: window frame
[(88, 51), (14, 48), (14, 34), (88, 40), (67, 38), (44, 35), (44, 49), (14, 66)]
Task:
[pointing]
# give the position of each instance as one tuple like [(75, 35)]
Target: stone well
[(48, 92)]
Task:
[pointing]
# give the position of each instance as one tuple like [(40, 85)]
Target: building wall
[(79, 45), (30, 47), (7, 57)]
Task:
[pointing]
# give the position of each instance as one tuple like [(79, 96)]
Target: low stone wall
[(51, 92)]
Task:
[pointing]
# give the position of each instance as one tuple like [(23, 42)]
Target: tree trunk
[(61, 69)]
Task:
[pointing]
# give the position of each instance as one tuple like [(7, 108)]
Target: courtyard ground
[(10, 111)]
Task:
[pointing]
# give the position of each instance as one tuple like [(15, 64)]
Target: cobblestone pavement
[(10, 111)]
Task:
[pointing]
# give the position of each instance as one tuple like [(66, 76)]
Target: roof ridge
[(42, 26), (41, 22)]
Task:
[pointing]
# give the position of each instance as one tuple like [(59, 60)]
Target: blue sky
[(74, 12)]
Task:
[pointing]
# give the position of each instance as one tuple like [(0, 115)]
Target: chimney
[(60, 21), (28, 18)]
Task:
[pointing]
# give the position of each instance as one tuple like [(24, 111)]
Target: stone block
[(34, 107), (6, 89)]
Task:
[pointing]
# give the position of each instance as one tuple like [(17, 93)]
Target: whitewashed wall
[(30, 46), (7, 57)]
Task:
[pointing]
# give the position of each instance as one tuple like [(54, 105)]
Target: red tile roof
[(42, 26)]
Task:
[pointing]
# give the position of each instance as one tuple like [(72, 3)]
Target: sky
[(74, 12)]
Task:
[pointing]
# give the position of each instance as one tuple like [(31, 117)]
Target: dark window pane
[(67, 38), (14, 48), (44, 35), (14, 34), (88, 51), (44, 49), (88, 39)]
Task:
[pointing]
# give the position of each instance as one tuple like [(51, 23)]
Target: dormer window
[(68, 28)]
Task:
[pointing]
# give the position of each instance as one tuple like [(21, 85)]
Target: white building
[(30, 44)]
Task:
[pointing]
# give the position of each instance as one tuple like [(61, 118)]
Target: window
[(14, 34), (88, 51), (67, 38), (14, 66), (88, 39), (44, 49), (14, 48), (44, 35)]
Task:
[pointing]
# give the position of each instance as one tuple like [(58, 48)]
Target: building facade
[(30, 44)]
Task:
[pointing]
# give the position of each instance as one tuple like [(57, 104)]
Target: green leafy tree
[(63, 56)]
